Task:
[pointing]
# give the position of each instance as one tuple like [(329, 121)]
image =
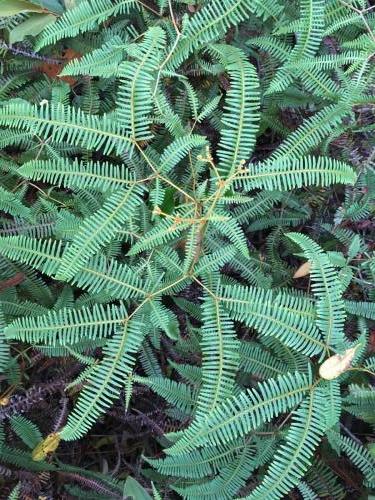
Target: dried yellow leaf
[(303, 270), (337, 364), (48, 445)]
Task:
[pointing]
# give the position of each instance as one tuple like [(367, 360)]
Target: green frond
[(44, 255), (177, 150), (258, 362), (361, 458), (253, 269), (293, 458), (165, 230), (220, 357), (230, 228), (285, 174), (362, 309), (150, 362), (307, 492), (227, 483), (241, 110), (14, 494), (11, 204), (289, 218), (134, 97), (177, 394), (66, 123), (67, 326), (100, 274), (370, 362), (327, 288), (85, 16), (239, 415), (97, 230), (198, 463), (259, 205), (211, 22), (4, 347), (310, 34), (285, 317), (311, 133), (78, 174), (361, 399), (208, 109), (103, 62), (190, 373), (166, 115), (26, 430), (9, 84), (324, 481), (40, 228), (106, 379), (22, 459), (164, 319), (214, 261)]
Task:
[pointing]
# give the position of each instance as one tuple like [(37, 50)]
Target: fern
[(98, 230), (106, 379), (292, 459), (360, 457), (83, 17), (77, 175), (136, 80), (66, 123), (241, 115), (326, 286), (240, 414), (287, 174), (185, 248), (277, 316)]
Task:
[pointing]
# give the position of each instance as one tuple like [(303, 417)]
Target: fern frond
[(293, 458), (241, 111), (255, 360), (78, 174), (11, 204), (4, 347), (362, 309), (198, 463), (177, 394), (285, 174), (164, 318), (227, 483), (177, 150), (285, 317), (214, 19), (164, 231), (308, 41), (97, 230), (103, 62), (327, 287), (100, 274), (220, 357), (134, 98), (238, 415), (106, 379), (41, 254), (83, 17), (67, 124), (361, 458), (67, 326), (312, 132), (26, 430), (324, 481)]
